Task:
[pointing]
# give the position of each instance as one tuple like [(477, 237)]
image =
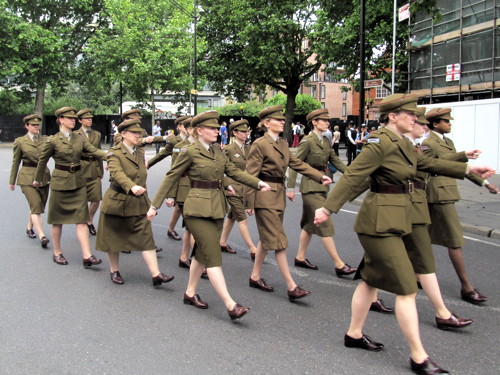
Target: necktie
[(35, 138), (88, 133), (444, 139), (210, 150)]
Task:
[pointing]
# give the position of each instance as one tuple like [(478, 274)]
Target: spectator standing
[(157, 133)]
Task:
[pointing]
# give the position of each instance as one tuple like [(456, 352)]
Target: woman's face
[(207, 134), (67, 123), (33, 128), (404, 121), (274, 125), (131, 138), (240, 135), (321, 124)]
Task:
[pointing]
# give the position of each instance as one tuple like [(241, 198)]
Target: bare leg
[(195, 272), (174, 218), (114, 262), (30, 223), (36, 220), (360, 305), (82, 233), (457, 259), (331, 249), (151, 260), (226, 230), (186, 245), (56, 238), (406, 314), (431, 288), (260, 256), (93, 206), (304, 240), (217, 280), (282, 262), (245, 234)]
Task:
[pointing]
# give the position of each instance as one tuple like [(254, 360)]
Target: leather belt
[(68, 168), (206, 184), (420, 185), (118, 189), (321, 168), (393, 189), (277, 180), (88, 158), (30, 164)]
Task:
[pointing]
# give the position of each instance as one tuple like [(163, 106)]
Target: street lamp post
[(362, 64)]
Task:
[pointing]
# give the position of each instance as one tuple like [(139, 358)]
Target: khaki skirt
[(310, 203), (237, 208), (118, 233), (36, 197), (68, 206), (94, 189), (206, 233), (386, 265), (445, 228), (419, 248), (271, 232)]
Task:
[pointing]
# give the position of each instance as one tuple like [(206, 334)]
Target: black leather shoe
[(204, 275), (116, 277), (346, 270), (185, 263), (238, 311), (252, 256), (59, 259), (30, 233), (125, 251), (173, 235), (227, 249), (427, 367), (161, 278), (474, 296), (379, 306), (92, 230), (91, 261), (44, 241), (297, 293), (454, 321), (365, 342), (195, 301), (159, 249), (305, 264), (260, 284)]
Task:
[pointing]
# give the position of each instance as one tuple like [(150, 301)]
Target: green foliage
[(249, 108), (303, 103)]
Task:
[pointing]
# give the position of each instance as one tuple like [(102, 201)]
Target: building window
[(382, 92), (313, 91), (314, 77), (344, 95), (344, 109), (323, 91), (323, 105)]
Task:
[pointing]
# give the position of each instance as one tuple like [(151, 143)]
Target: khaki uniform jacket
[(270, 158), (169, 149), (25, 150), (66, 152), (202, 165), (125, 171), (184, 184), (316, 154), (239, 159), (92, 169), (386, 159)]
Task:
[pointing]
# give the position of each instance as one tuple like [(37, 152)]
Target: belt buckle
[(411, 187), (220, 184), (72, 168), (91, 157)]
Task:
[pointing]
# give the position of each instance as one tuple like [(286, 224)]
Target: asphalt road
[(68, 320)]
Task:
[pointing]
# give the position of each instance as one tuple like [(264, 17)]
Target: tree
[(41, 40)]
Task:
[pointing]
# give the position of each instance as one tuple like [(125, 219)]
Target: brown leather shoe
[(92, 230), (297, 293), (91, 261), (159, 249), (185, 263), (365, 342), (59, 259), (44, 241), (305, 264), (252, 256), (30, 233), (454, 321), (161, 278), (474, 296), (196, 301), (344, 271), (204, 275), (116, 277), (238, 311), (227, 249), (173, 235), (260, 284), (379, 306), (427, 367)]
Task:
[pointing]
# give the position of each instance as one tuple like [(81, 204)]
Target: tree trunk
[(289, 112), (40, 97)]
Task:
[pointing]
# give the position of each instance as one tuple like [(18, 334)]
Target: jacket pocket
[(393, 213), (113, 203), (198, 203)]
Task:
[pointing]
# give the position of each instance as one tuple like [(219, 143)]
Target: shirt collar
[(438, 134), (130, 149), (204, 145)]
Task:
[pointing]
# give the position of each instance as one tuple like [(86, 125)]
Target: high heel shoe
[(161, 278)]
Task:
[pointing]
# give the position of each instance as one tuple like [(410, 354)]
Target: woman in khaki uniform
[(237, 152), (28, 149), (68, 194), (205, 206), (315, 150), (268, 159), (384, 218), (123, 224)]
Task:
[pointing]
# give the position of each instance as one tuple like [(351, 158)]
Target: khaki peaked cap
[(187, 122), (34, 119), (318, 114), (240, 125), (132, 113), (85, 113), (209, 118), (131, 125), (398, 102), (421, 116), (439, 113), (276, 112), (180, 119), (66, 112)]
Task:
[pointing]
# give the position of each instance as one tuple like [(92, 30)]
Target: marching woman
[(68, 194), (384, 218), (123, 225), (205, 206), (268, 159), (315, 150), (28, 149)]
